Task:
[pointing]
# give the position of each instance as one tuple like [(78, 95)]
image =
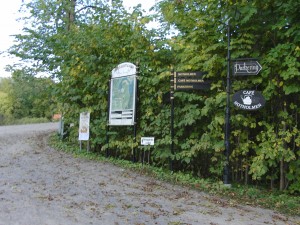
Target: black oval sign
[(248, 100)]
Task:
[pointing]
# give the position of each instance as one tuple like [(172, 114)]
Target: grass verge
[(236, 194), (25, 120)]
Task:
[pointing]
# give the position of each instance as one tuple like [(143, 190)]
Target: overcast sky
[(9, 26)]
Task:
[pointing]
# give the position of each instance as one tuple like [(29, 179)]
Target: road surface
[(42, 186)]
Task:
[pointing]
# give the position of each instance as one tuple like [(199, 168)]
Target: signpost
[(185, 81), (246, 67), (226, 172), (147, 142)]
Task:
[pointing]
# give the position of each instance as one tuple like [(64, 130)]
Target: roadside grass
[(25, 120), (236, 194)]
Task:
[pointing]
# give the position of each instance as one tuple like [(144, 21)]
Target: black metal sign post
[(184, 81), (227, 113), (172, 119), (107, 125)]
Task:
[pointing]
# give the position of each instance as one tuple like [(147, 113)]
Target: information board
[(123, 95)]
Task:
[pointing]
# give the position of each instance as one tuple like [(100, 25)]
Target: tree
[(5, 102), (80, 42), (260, 29)]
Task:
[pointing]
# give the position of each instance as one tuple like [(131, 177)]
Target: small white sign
[(147, 140), (246, 68), (84, 126)]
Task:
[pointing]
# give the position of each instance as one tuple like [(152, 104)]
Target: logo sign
[(84, 126), (147, 140), (248, 100), (246, 68), (124, 69), (123, 95)]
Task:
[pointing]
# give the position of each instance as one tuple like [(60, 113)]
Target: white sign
[(147, 140), (246, 68), (124, 69), (84, 126), (123, 95)]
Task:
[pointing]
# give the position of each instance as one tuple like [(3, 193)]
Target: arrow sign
[(190, 74), (185, 81), (192, 86), (246, 68)]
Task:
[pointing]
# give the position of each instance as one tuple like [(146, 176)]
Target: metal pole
[(107, 125), (172, 118), (136, 111), (227, 116), (134, 141)]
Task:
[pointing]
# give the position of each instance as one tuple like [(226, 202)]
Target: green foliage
[(260, 141), (24, 96), (81, 50), (5, 99), (25, 120)]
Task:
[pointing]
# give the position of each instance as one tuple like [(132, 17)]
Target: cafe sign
[(248, 100)]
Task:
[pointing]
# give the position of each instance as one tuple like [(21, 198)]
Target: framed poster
[(123, 95), (84, 126)]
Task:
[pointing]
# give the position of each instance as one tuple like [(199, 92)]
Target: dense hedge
[(264, 144)]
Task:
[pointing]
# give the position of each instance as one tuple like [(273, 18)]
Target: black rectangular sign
[(189, 74), (188, 81), (192, 86)]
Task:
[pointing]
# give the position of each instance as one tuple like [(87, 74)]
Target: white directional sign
[(147, 140), (245, 68)]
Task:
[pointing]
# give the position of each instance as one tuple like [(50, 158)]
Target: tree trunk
[(282, 163), (282, 175), (70, 15), (247, 175)]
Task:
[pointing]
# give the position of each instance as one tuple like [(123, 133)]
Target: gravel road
[(42, 186)]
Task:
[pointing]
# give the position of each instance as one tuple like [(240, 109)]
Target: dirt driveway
[(41, 186)]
